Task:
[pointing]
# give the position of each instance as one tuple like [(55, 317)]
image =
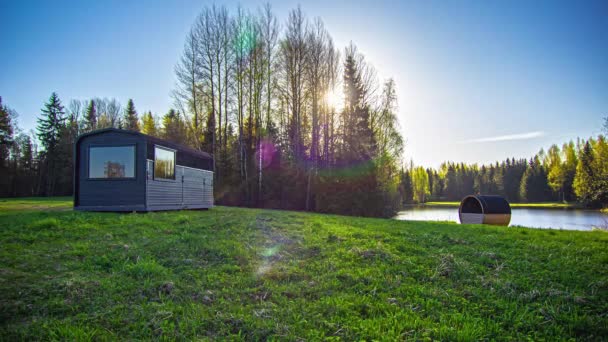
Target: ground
[(248, 274)]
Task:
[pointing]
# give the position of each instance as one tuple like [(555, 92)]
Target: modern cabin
[(484, 209), (121, 170)]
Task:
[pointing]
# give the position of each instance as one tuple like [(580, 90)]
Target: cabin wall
[(191, 189), (110, 194)]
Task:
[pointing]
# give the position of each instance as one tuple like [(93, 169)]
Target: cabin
[(485, 209), (121, 170)]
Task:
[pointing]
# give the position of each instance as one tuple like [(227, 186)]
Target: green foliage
[(420, 184), (249, 274), (174, 128), (50, 131), (583, 182), (149, 124), (90, 123), (131, 121), (406, 188), (6, 133), (547, 177), (360, 142), (50, 124), (536, 205), (591, 180), (534, 186)]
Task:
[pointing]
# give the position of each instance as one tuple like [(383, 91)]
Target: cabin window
[(164, 163), (112, 162)]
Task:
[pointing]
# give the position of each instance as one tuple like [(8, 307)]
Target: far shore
[(543, 205)]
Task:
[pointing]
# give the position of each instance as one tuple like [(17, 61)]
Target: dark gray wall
[(117, 192)]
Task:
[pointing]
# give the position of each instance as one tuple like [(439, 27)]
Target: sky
[(477, 81)]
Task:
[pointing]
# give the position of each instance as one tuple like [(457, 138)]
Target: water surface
[(572, 219)]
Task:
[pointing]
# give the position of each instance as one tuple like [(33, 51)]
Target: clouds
[(509, 137)]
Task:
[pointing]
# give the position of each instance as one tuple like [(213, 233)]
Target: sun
[(335, 99)]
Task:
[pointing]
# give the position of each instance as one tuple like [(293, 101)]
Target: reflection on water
[(535, 218)]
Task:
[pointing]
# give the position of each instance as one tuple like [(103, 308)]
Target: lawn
[(248, 274), (542, 205)]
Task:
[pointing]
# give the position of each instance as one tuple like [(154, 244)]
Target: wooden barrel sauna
[(484, 209)]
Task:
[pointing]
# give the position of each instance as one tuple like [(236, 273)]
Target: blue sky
[(477, 81)]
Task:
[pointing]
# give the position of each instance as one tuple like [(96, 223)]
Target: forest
[(293, 121), (576, 172)]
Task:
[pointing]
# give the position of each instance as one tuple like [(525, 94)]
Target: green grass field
[(247, 274), (544, 205)]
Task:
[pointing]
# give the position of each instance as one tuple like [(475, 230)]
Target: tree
[(130, 121), (569, 170), (25, 175), (6, 144), (148, 125), (360, 144), (420, 184), (188, 94), (584, 179), (173, 127), (600, 196), (90, 117), (406, 188), (556, 175), (50, 127), (534, 186), (6, 133), (113, 110)]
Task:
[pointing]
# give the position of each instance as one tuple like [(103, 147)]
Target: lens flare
[(335, 99)]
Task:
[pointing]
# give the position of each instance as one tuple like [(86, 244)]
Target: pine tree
[(405, 187), (50, 123), (534, 186), (358, 135), (131, 122), (90, 117), (148, 124), (50, 127), (173, 127), (6, 134)]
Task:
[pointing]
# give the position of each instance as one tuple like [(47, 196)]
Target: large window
[(164, 163), (112, 162)]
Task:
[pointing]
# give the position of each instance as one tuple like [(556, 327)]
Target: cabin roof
[(155, 140)]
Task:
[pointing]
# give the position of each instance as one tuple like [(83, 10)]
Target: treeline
[(40, 163), (576, 172), (292, 122)]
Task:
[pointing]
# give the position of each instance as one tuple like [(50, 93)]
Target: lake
[(573, 219)]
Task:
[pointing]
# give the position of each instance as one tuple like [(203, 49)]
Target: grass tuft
[(47, 223)]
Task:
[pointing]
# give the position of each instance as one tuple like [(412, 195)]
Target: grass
[(543, 205), (248, 274), (35, 203)]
